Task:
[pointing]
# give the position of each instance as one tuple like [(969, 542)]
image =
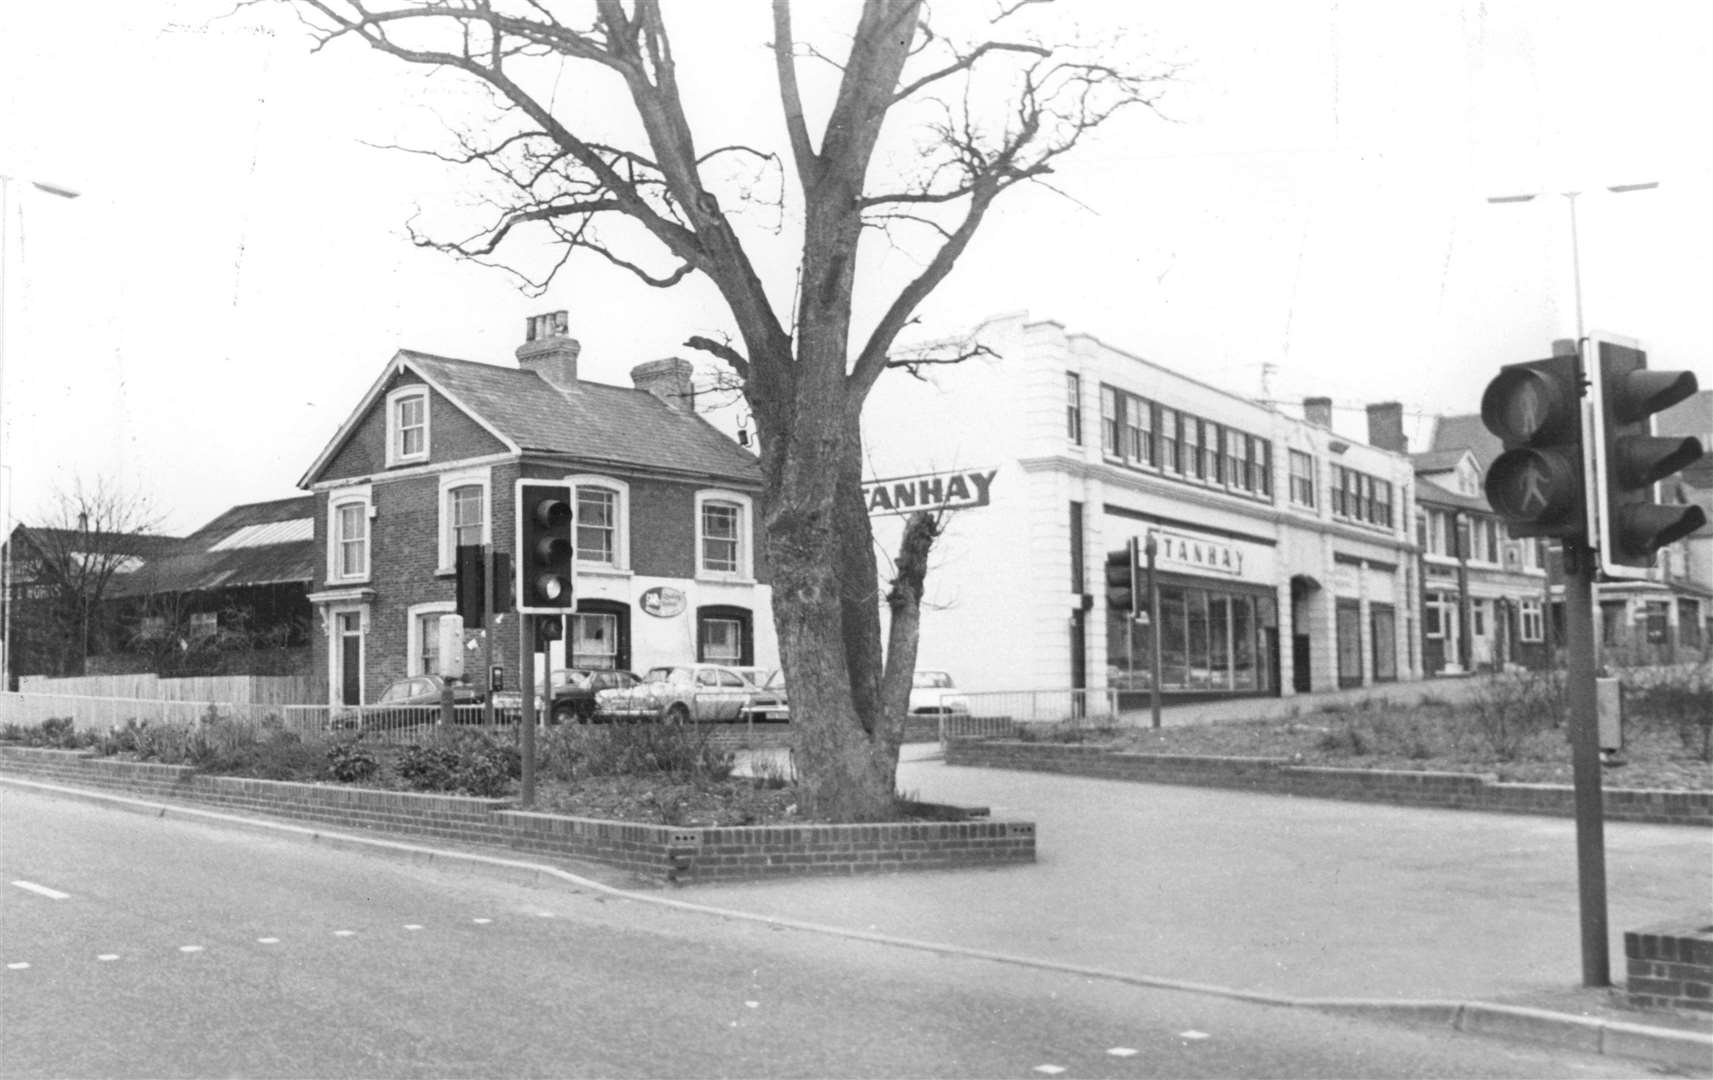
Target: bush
[(1679, 699), (57, 732), (467, 762), (572, 752), (349, 762), (1509, 710)]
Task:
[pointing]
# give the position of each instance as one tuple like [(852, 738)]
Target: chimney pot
[(549, 350), (1318, 410)]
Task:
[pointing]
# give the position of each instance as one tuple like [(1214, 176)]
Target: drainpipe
[(1465, 606)]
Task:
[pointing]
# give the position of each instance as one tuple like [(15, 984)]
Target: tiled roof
[(1431, 494), (1467, 433), (1437, 461), (590, 421)]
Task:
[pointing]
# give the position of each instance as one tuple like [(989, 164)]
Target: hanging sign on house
[(663, 601), (929, 491)]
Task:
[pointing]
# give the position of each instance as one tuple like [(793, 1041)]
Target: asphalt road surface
[(140, 946)]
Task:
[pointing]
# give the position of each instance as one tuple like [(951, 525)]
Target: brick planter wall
[(1670, 966), (1448, 790), (684, 855)]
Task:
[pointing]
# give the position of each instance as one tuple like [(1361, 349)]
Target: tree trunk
[(904, 600)]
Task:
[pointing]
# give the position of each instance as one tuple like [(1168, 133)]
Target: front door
[(348, 629)]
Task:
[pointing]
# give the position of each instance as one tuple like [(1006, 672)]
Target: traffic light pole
[(1580, 663), (1152, 547), (526, 732)]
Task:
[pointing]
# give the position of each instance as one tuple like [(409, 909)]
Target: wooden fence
[(223, 689)]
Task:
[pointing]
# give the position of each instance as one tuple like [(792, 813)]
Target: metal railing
[(386, 723)]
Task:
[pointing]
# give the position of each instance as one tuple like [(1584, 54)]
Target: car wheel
[(678, 714), (585, 711), (565, 714)]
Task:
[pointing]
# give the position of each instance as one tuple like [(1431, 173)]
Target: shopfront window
[(1211, 640)]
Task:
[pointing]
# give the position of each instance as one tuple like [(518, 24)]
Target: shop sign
[(1197, 554), (663, 601), (928, 491)]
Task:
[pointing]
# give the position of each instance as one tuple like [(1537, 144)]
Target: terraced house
[(667, 564)]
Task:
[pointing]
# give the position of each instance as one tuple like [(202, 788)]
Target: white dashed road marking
[(1050, 1070), (16, 967), (267, 941), (412, 926), (344, 933), (1122, 1051), (1193, 1035), (42, 890), (108, 956), (481, 922), (190, 948)]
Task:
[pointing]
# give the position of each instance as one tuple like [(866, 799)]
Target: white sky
[(236, 273)]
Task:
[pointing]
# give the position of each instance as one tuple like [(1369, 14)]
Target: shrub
[(1675, 698), (573, 752), (1510, 709), (468, 762), (58, 732), (349, 762)]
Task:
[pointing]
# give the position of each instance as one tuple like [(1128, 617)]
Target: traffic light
[(543, 548), (1535, 409), (471, 580), (1121, 591), (1630, 459), (548, 629)]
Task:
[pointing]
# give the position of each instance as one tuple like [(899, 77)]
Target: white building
[(1285, 558)]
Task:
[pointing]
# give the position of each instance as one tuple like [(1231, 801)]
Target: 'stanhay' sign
[(928, 491)]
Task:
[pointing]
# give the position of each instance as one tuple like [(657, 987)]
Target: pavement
[(1439, 916)]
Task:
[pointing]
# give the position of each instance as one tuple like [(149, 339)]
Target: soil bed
[(1650, 760)]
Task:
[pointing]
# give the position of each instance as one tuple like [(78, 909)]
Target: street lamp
[(62, 192)]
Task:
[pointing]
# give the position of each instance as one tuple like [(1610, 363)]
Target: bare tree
[(64, 569), (974, 114)]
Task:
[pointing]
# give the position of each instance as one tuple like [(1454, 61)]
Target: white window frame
[(571, 650), (337, 500), (1529, 613), (621, 522), (449, 482), (746, 548), (203, 624), (395, 431), (413, 631), (1303, 479), (335, 651)]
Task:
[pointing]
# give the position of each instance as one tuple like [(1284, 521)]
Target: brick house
[(668, 565)]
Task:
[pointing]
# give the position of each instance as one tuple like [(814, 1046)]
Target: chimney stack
[(1386, 427), (549, 350), (668, 380), (1318, 410)]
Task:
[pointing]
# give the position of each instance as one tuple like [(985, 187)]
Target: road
[(141, 946)]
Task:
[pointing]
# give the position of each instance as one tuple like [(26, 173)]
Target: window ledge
[(602, 570), (723, 579)]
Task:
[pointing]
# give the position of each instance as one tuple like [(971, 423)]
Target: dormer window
[(407, 425)]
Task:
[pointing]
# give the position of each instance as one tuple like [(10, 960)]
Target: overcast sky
[(1309, 217)]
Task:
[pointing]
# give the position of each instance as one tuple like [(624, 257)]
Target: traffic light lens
[(550, 586)]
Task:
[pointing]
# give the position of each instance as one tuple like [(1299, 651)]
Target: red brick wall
[(685, 855), (1447, 790), (1671, 966), (452, 436)]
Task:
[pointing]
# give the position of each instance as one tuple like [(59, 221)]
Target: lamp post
[(62, 192)]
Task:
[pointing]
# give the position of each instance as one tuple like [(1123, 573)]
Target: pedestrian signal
[(1536, 485)]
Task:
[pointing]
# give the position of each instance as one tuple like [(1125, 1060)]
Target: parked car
[(575, 691), (412, 700), (684, 693), (932, 693), (770, 706)]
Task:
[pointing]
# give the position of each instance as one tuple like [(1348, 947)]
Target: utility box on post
[(451, 647), (1609, 707)]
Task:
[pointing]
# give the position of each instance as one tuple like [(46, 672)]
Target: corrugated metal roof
[(273, 532)]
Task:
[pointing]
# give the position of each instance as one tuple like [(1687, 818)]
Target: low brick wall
[(683, 855), (1450, 790), (1670, 966)]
